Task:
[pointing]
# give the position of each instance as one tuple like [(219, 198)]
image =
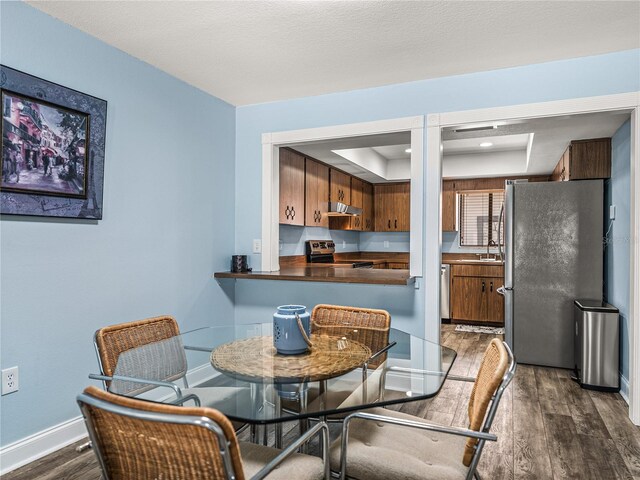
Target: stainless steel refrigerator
[(553, 255)]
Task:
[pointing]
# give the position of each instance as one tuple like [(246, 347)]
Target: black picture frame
[(65, 176)]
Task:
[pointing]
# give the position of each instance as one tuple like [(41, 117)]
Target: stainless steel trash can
[(597, 345)]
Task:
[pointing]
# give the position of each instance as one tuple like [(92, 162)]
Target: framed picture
[(52, 148)]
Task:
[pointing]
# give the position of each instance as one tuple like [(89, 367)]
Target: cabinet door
[(381, 206), (367, 207), (291, 188), (340, 187), (468, 301), (400, 204), (357, 201), (449, 205), (495, 301), (589, 159), (317, 194)]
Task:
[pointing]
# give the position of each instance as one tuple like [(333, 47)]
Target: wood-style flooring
[(547, 427)]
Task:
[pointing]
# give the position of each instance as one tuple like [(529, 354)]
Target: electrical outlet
[(10, 380), (386, 244), (257, 245)]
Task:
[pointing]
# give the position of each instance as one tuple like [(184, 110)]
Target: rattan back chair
[(418, 449), (365, 325), (136, 439), (113, 341)]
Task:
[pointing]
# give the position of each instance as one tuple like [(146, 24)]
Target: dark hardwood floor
[(547, 427)]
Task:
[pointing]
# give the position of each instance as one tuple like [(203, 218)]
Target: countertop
[(330, 273), (470, 261)]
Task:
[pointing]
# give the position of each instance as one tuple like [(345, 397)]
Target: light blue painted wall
[(169, 168), (451, 244), (374, 241), (617, 253), (598, 75)]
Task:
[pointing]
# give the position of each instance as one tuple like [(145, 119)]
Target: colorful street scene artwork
[(44, 147)]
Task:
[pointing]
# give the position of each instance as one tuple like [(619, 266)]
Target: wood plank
[(603, 459), (550, 393), (581, 407), (625, 434), (497, 458), (530, 453), (567, 460)]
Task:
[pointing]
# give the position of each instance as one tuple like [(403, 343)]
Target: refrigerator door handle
[(503, 290)]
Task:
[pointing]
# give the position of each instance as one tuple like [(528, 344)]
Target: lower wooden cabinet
[(398, 265), (474, 296)]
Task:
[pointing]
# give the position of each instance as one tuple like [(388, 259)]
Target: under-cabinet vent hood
[(339, 209)]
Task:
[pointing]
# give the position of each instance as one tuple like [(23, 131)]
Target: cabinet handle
[(389, 224), (491, 287), (395, 224), (482, 287), (293, 213)]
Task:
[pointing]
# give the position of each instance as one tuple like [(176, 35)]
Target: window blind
[(479, 218)]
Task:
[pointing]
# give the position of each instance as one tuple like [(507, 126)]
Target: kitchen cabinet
[(449, 207), (292, 183), (317, 194), (584, 159), (340, 184), (367, 207), (397, 266), (391, 206), (356, 223), (474, 296)]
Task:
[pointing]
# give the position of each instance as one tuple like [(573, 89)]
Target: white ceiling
[(472, 145), (551, 136), (258, 51)]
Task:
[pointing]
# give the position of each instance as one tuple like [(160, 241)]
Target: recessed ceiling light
[(486, 144), (408, 150)]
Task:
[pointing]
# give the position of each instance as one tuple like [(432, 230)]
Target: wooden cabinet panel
[(495, 301), (340, 184), (356, 223), (317, 194), (398, 265), (367, 207), (467, 300), (590, 159), (449, 213), (392, 207), (292, 183), (474, 293), (584, 159)]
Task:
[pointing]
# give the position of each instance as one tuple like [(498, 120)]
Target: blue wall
[(598, 75), (169, 167), (617, 252)]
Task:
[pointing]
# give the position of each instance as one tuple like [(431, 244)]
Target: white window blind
[(479, 218)]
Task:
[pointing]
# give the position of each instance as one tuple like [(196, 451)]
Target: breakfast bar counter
[(327, 274)]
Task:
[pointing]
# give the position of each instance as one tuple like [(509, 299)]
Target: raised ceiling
[(258, 51)]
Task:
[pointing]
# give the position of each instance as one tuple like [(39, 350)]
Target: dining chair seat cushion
[(297, 466), (381, 451)]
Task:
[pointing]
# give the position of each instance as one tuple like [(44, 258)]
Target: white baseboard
[(38, 445), (624, 388)]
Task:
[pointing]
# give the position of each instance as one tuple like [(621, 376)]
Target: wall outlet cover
[(386, 244), (257, 245), (10, 379)]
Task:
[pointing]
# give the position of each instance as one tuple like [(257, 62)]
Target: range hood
[(339, 209)]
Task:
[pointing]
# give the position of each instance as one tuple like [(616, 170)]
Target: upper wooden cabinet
[(391, 205), (449, 213), (584, 159), (367, 207), (356, 223), (292, 183), (317, 194), (340, 184)]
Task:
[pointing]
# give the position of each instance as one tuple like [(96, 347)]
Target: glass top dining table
[(236, 370)]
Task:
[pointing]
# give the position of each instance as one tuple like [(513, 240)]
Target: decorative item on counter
[(292, 329), (239, 264)]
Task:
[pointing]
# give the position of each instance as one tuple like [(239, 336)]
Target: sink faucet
[(490, 243)]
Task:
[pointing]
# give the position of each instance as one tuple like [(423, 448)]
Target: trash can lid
[(595, 306)]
